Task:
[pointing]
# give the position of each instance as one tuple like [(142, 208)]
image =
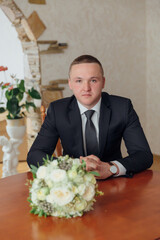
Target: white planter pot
[(16, 129)]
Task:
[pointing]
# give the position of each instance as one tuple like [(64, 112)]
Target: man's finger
[(91, 165), (95, 158)]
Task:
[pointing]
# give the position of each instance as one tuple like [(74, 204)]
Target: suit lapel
[(76, 127), (104, 120)]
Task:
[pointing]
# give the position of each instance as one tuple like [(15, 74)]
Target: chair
[(58, 150)]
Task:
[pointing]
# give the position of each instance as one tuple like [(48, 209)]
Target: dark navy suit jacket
[(117, 120)]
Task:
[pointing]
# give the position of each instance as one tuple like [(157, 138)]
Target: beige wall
[(153, 73), (119, 33)]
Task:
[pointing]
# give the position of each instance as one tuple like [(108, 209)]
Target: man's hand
[(93, 163)]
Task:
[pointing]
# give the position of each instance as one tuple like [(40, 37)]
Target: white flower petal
[(61, 195), (50, 199), (54, 163), (81, 189), (34, 198), (41, 172), (76, 161), (58, 175), (89, 192)]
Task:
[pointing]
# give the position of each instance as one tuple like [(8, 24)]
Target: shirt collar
[(96, 107)]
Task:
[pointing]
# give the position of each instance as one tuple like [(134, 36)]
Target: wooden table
[(129, 209)]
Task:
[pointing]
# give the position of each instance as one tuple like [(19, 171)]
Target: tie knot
[(89, 114)]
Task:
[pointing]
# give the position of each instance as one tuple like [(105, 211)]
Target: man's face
[(86, 81)]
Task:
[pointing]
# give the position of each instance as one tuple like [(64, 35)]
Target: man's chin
[(87, 104)]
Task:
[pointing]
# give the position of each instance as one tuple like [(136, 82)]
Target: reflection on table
[(129, 209)]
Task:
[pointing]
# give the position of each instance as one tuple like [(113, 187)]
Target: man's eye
[(93, 80), (78, 80)]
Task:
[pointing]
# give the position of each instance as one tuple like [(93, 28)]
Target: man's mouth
[(86, 95)]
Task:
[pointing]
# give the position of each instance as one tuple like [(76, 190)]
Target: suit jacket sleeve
[(46, 140), (139, 154)]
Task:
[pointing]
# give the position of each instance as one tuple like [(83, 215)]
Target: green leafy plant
[(14, 94)]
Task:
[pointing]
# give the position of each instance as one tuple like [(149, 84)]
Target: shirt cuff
[(122, 169)]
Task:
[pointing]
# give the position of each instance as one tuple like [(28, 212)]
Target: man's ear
[(104, 80)]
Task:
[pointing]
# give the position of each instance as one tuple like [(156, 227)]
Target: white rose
[(35, 184), (80, 206), (81, 189), (76, 161), (49, 182), (41, 193), (61, 195), (89, 192), (41, 172), (49, 198), (79, 179), (90, 178), (34, 197), (74, 189), (54, 163), (72, 174), (58, 175)]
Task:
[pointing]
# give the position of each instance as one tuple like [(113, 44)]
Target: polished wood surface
[(128, 210)]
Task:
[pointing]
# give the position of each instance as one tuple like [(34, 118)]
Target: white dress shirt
[(95, 120)]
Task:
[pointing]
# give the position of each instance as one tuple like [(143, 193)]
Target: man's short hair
[(86, 59)]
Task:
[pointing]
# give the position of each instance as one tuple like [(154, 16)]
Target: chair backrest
[(58, 150)]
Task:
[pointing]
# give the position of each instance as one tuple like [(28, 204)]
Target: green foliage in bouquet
[(14, 95), (62, 188)]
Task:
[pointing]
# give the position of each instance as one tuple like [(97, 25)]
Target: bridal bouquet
[(62, 188)]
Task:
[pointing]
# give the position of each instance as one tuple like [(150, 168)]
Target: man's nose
[(86, 86)]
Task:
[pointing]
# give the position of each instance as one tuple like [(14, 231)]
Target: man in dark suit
[(112, 118)]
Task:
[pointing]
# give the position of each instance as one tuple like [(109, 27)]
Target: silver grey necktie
[(90, 135)]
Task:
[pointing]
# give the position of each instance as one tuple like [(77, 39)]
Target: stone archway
[(32, 75)]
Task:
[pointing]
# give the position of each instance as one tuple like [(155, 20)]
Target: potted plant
[(17, 100), (15, 94)]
